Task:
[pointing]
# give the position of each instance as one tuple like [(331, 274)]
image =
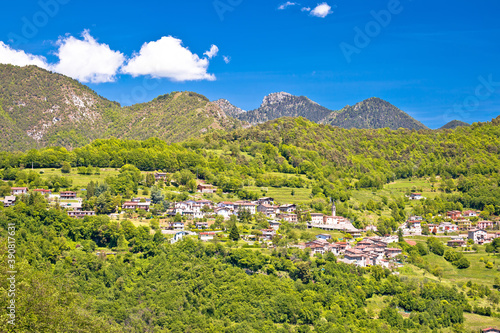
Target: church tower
[(334, 209)]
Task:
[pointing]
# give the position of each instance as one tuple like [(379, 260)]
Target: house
[(178, 236), (160, 176), (206, 236), (205, 188), (447, 227), (265, 201), (268, 233), (469, 213), (292, 218), (129, 205), (268, 210), (274, 225), (224, 212), (355, 256), (454, 214), (201, 225), (290, 208), (226, 204), (318, 246), (68, 195), (491, 330), (141, 200), (42, 191), (485, 225), (324, 236), (248, 206), (477, 235), (392, 252), (316, 218), (371, 228), (136, 205), (80, 214), (412, 227), (464, 224), (416, 196), (457, 243), (18, 190), (177, 225), (9, 201)]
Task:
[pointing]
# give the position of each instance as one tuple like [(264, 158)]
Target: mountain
[(228, 108), (454, 124), (282, 104), (372, 113), (39, 108)]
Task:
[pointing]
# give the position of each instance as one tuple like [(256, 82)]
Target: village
[(360, 247)]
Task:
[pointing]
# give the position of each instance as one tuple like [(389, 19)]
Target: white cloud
[(212, 52), (287, 4), (86, 60), (322, 10), (306, 9), (227, 59), (167, 58), (20, 58)]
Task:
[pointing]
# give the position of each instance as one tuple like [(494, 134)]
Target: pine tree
[(234, 234)]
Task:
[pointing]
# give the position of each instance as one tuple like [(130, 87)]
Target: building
[(201, 225), (268, 210), (393, 252), (80, 214), (265, 201), (454, 214), (447, 227), (205, 188), (68, 195), (206, 236), (477, 235), (316, 218), (177, 225), (290, 208), (9, 201), (224, 212), (160, 176), (291, 218), (248, 206), (416, 196), (485, 225), (464, 224), (136, 205), (457, 243), (324, 236), (491, 330), (469, 213), (274, 225), (268, 233), (42, 191), (18, 190)]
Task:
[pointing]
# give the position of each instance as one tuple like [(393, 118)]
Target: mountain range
[(39, 108)]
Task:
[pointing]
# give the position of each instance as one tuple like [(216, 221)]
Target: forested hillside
[(141, 283), (39, 108)]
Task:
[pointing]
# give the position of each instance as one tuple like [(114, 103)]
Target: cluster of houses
[(368, 252)]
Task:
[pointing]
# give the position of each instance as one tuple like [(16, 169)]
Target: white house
[(477, 235), (316, 218), (206, 236)]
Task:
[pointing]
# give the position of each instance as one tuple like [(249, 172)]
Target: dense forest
[(138, 282), (334, 160)]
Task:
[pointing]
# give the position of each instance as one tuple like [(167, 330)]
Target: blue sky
[(436, 61)]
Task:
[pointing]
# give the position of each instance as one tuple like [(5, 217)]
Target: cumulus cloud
[(212, 52), (20, 58), (167, 58), (227, 59), (306, 9), (322, 10), (286, 4), (87, 60)]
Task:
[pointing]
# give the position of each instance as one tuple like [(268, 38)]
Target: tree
[(150, 180), (234, 234), (462, 263), (400, 235), (66, 167)]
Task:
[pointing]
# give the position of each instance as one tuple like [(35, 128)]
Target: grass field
[(80, 180)]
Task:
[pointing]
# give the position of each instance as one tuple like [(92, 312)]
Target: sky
[(437, 61)]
